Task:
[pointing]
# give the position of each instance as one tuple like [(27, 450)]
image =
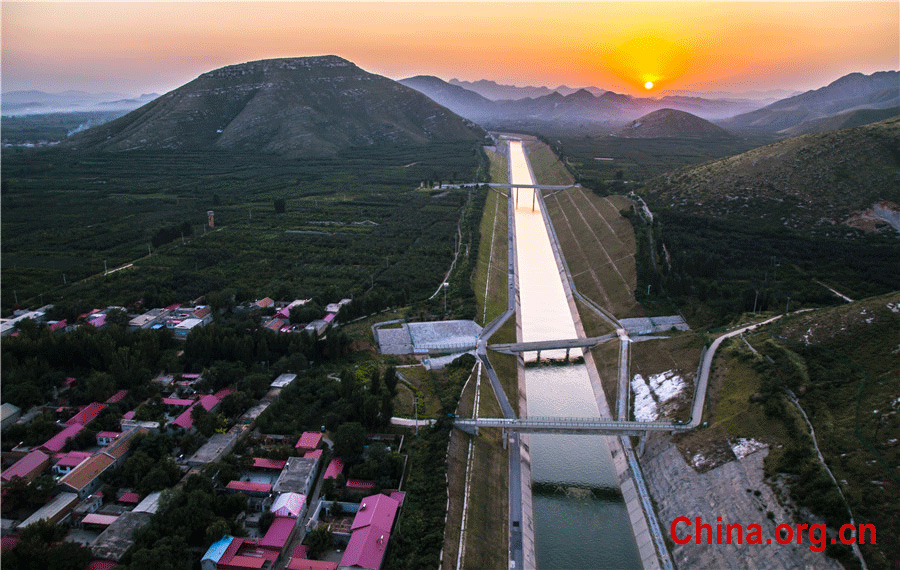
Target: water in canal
[(580, 520)]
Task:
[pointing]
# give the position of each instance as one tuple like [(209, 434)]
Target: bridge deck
[(536, 186), (568, 425), (517, 347)]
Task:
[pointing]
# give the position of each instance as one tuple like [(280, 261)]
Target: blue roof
[(217, 549)]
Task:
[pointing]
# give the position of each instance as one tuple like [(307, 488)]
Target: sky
[(141, 47)]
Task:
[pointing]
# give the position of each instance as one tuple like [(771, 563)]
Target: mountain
[(313, 106), (498, 92), (461, 101), (855, 91), (670, 123), (816, 180), (32, 102), (846, 120)]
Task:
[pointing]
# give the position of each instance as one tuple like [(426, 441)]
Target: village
[(292, 497)]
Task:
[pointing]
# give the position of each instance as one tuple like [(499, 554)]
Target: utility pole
[(105, 271), (754, 301), (786, 305), (64, 279), (416, 405)]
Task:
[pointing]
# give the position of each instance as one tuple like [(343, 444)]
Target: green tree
[(319, 540), (349, 442)]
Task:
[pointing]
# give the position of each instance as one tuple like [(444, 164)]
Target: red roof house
[(314, 454), (371, 532), (117, 397), (28, 468), (263, 463), (249, 487), (278, 534), (58, 441), (88, 414), (335, 467), (309, 440)]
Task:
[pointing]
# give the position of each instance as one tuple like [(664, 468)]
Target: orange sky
[(136, 47)]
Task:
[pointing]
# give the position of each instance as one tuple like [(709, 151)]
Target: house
[(185, 421), (65, 462), (263, 463), (10, 414), (28, 468), (56, 443), (54, 511), (314, 454), (308, 441), (85, 478), (117, 397), (104, 438), (215, 552), (335, 468), (279, 534), (114, 542), (371, 528), (291, 505), (283, 381), (237, 554), (87, 414), (182, 329), (317, 327), (297, 476), (263, 303), (148, 319)]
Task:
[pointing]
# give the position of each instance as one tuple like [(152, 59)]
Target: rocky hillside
[(852, 92), (296, 107), (671, 123), (817, 180)]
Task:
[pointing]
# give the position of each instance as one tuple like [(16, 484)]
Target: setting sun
[(648, 85), (647, 62)]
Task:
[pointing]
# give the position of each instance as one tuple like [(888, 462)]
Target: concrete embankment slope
[(636, 514)]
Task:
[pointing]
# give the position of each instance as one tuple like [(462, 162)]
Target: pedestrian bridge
[(579, 426), (539, 345), (535, 186)]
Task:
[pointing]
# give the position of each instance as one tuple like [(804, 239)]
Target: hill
[(461, 101), (880, 90), (671, 123), (816, 180), (846, 120), (314, 106)]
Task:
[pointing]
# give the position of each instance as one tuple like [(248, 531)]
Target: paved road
[(706, 365)]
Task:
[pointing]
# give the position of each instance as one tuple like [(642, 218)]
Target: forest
[(364, 221)]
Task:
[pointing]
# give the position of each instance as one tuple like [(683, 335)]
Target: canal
[(579, 517)]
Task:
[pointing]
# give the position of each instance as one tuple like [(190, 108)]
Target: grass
[(418, 382), (492, 263), (499, 167), (546, 166)]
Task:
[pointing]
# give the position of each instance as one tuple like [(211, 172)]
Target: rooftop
[(378, 510), (366, 548), (297, 476), (309, 439), (61, 503), (117, 538), (117, 397), (214, 449), (335, 467), (58, 441), (288, 505), (249, 487), (26, 465), (263, 463), (283, 380), (87, 414), (87, 471), (279, 532)]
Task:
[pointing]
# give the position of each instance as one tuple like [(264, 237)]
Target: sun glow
[(647, 62)]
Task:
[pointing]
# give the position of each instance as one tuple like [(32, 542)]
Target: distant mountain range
[(310, 106), (852, 92), (668, 123), (497, 92), (33, 102)]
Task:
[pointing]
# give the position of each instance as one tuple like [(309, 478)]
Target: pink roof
[(58, 441), (117, 397), (297, 563), (335, 467), (309, 439), (73, 458), (128, 415), (191, 376), (224, 392), (101, 565), (26, 465), (263, 463), (398, 496), (96, 518), (314, 454), (87, 414), (109, 434), (378, 510), (300, 551), (243, 562), (288, 505), (264, 302), (249, 486), (329, 317), (70, 381), (173, 306), (279, 533), (98, 321), (130, 498), (59, 325), (366, 547), (360, 484), (186, 421), (9, 542), (177, 402), (209, 402)]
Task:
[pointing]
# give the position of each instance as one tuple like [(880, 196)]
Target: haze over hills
[(461, 101), (851, 92), (32, 102), (818, 180), (498, 92), (310, 106), (669, 123)]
